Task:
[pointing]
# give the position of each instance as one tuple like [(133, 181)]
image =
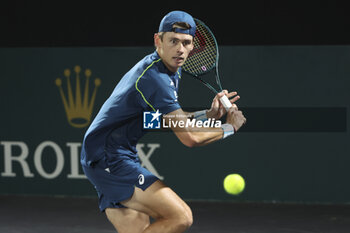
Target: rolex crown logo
[(78, 107)]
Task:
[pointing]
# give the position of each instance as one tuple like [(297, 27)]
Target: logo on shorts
[(141, 179), (151, 120)]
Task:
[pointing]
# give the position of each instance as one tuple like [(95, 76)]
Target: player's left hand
[(217, 110)]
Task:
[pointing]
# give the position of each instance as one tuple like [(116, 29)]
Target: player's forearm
[(204, 114), (194, 137), (196, 114), (205, 138), (193, 131)]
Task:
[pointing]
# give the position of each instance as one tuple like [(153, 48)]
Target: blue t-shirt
[(148, 86)]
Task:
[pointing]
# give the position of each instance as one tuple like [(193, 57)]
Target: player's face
[(174, 49)]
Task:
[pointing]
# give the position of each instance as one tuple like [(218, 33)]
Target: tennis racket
[(204, 58)]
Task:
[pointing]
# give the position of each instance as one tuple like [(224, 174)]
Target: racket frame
[(216, 65)]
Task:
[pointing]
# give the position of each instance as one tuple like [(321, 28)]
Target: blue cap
[(166, 25)]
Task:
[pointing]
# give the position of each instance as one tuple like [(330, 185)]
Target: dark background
[(132, 23)]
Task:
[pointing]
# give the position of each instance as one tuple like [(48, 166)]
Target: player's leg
[(127, 220), (171, 213)]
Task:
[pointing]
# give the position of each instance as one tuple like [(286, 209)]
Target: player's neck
[(170, 68)]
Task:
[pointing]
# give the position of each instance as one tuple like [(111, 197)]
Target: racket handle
[(226, 102)]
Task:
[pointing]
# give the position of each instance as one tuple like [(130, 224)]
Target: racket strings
[(203, 56)]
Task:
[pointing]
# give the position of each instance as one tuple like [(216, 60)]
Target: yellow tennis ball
[(234, 184)]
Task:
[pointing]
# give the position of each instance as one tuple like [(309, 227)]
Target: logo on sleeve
[(141, 179), (151, 120)]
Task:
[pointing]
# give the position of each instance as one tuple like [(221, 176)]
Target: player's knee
[(185, 220), (189, 217), (188, 221)]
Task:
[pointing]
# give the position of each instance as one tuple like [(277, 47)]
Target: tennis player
[(128, 193)]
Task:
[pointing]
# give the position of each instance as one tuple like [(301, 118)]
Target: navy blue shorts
[(116, 181)]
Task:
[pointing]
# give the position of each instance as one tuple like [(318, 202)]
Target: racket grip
[(226, 102)]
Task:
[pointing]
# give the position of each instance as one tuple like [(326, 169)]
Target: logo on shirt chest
[(175, 94), (174, 84)]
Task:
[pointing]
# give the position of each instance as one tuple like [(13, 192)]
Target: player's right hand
[(217, 110), (235, 117)]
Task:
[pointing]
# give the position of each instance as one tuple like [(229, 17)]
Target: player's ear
[(191, 46), (156, 40)]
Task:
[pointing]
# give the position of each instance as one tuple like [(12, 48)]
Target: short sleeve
[(156, 92)]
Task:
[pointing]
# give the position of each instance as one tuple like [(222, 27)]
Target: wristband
[(200, 115), (228, 130)]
